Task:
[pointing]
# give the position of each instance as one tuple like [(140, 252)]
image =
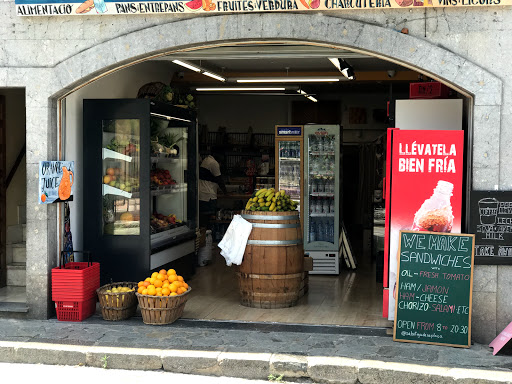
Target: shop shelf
[(321, 214), (164, 159), (75, 310), (290, 159), (109, 154), (322, 194), (322, 153), (109, 190), (176, 188)]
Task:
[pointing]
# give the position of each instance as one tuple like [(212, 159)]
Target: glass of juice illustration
[(435, 214), (488, 210), (65, 184)]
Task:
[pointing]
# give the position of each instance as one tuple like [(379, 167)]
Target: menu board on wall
[(434, 288), (490, 219)]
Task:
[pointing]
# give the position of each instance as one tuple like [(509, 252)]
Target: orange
[(171, 272), (154, 275), (141, 283), (43, 197), (110, 171), (147, 279), (152, 280), (158, 283), (159, 294), (180, 278), (159, 276), (144, 292), (166, 291), (173, 287), (185, 285), (146, 283), (163, 272), (173, 294), (151, 290), (158, 290), (140, 289), (165, 284), (172, 278)]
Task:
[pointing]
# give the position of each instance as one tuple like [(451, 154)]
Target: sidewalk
[(249, 350)]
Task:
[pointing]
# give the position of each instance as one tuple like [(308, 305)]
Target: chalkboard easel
[(434, 288)]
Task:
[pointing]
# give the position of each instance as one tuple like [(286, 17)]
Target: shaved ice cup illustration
[(488, 210)]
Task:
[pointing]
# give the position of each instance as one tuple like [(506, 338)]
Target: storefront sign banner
[(102, 7), (56, 180)]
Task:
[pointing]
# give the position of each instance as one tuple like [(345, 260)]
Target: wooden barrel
[(270, 275)]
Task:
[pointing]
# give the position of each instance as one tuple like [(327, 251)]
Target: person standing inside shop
[(210, 180)]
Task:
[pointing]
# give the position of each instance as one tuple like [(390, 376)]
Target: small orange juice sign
[(56, 179)]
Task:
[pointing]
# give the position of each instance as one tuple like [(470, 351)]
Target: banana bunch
[(270, 200)]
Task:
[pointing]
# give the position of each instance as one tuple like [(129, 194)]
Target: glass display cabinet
[(322, 174), (140, 189)]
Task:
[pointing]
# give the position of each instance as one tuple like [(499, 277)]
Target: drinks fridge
[(322, 184), (140, 193), (289, 164)]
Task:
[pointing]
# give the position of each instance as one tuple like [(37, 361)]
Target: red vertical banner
[(425, 191)]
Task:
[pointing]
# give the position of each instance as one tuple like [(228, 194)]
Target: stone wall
[(466, 47)]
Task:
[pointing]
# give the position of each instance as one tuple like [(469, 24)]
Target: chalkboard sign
[(490, 220), (434, 288)]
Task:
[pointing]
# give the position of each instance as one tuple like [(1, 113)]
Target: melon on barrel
[(194, 5)]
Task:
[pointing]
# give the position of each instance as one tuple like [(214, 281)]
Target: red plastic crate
[(71, 296), (77, 271), (75, 310), (76, 281)]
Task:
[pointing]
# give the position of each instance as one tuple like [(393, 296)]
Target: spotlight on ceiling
[(344, 67)]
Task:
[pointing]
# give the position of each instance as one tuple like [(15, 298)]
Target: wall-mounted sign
[(434, 288), (490, 219), (289, 130), (102, 7), (56, 179)]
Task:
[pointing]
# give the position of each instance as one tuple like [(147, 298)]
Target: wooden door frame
[(3, 206)]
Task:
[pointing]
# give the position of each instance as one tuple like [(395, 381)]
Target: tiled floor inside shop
[(352, 298)]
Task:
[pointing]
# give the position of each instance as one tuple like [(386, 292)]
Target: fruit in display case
[(163, 283), (117, 179), (161, 222), (126, 216), (161, 177), (270, 200), (124, 146)]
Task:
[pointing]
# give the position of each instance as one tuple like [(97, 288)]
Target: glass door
[(322, 188), (121, 176), (173, 176), (289, 168)]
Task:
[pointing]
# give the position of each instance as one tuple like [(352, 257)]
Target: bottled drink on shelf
[(321, 185), (314, 186), (325, 206), (312, 231), (320, 145), (331, 205)]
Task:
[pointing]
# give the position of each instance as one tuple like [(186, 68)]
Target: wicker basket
[(117, 305), (160, 310)]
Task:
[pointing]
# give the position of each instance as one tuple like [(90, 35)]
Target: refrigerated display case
[(322, 182), (289, 162), (140, 200)]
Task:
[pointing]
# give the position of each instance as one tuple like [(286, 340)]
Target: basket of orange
[(162, 297), (117, 300)]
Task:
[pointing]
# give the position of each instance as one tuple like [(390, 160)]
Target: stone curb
[(257, 366)]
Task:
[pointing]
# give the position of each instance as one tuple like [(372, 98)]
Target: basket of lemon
[(162, 297), (117, 300)]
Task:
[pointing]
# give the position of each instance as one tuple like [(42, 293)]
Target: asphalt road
[(57, 374)]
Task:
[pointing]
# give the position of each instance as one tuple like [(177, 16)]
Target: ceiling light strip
[(236, 89), (187, 65), (289, 80), (214, 76)]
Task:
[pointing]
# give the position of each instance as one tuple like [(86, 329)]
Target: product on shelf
[(124, 146), (270, 200), (163, 283), (115, 178), (161, 177), (161, 222)]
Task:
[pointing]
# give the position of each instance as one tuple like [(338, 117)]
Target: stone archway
[(421, 55), (483, 87)]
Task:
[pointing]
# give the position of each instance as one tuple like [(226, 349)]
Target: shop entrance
[(12, 200), (238, 127)]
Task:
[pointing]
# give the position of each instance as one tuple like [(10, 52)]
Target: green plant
[(104, 360), (276, 379), (169, 140)]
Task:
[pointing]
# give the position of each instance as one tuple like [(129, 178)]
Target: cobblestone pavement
[(334, 341)]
